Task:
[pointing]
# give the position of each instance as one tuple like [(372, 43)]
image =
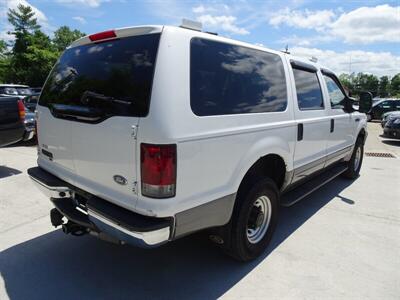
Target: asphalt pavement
[(341, 242)]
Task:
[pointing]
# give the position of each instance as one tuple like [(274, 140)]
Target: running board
[(297, 194)]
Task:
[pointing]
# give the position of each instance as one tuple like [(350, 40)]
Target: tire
[(263, 194), (355, 162)]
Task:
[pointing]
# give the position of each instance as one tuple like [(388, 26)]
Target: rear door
[(312, 121), (91, 105)]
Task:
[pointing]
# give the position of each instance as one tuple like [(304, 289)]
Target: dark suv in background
[(383, 106)]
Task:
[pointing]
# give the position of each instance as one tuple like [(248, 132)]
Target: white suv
[(147, 134)]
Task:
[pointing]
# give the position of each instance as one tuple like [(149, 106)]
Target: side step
[(297, 194)]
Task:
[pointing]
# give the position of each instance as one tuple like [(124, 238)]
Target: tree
[(4, 61), (64, 36), (395, 85), (33, 53), (384, 87)]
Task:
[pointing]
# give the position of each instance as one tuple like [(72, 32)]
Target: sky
[(346, 36)]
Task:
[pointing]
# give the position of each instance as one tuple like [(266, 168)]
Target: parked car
[(392, 127), (12, 116), (7, 90), (152, 133), (387, 116), (36, 90), (31, 101), (30, 125), (383, 106)]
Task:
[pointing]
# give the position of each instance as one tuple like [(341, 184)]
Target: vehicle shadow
[(392, 142), (6, 172), (63, 267)]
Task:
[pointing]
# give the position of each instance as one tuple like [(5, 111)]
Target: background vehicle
[(12, 116), (14, 90), (31, 101), (148, 157), (387, 116), (36, 90), (383, 106), (392, 127)]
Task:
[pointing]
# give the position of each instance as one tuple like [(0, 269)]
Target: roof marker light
[(105, 35)]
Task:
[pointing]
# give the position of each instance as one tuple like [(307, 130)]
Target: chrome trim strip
[(150, 238)]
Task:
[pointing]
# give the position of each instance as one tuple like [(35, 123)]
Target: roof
[(14, 85)]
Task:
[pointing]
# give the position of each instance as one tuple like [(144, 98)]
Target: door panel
[(341, 134), (310, 112)]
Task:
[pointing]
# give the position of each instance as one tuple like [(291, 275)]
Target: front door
[(341, 123)]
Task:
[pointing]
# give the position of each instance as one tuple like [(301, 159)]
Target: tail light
[(21, 110), (105, 35), (158, 170)]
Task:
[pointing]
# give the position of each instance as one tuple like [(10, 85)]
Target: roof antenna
[(286, 49)]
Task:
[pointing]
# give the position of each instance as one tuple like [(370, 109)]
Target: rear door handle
[(357, 120), (300, 129), (332, 125)]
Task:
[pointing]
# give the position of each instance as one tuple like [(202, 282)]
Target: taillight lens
[(158, 170), (21, 110)]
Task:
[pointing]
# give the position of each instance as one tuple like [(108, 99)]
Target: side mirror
[(365, 102)]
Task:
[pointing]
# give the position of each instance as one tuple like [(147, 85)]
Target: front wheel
[(354, 164), (254, 220)]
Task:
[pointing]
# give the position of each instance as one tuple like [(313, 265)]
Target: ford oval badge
[(120, 179)]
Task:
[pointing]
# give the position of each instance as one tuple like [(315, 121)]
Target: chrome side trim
[(52, 191), (151, 238)]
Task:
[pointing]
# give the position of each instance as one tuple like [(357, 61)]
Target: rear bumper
[(99, 215), (392, 132)]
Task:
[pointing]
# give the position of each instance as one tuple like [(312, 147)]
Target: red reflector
[(158, 170), (102, 35), (21, 110)]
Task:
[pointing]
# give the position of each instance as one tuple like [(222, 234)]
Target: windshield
[(119, 69)]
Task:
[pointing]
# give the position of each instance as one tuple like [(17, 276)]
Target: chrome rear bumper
[(106, 217)]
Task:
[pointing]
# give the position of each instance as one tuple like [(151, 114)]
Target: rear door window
[(308, 89), (229, 79), (120, 70)]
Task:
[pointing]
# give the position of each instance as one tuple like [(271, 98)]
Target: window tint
[(336, 95), (309, 95), (228, 79), (121, 69), (384, 104)]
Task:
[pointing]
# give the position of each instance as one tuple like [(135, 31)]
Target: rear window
[(229, 79), (120, 70)]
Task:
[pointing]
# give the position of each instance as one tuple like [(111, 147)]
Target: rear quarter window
[(229, 79)]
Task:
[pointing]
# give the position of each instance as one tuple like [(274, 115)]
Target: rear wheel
[(254, 220), (354, 164)]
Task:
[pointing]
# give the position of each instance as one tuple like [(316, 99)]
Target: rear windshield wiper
[(87, 95)]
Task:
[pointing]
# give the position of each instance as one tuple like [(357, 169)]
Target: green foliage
[(32, 53), (64, 36), (395, 85), (384, 86)]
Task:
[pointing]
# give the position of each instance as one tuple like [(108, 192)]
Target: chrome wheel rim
[(259, 219), (357, 158)]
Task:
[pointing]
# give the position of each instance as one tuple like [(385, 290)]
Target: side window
[(397, 104), (308, 89), (336, 95), (228, 79), (384, 104)]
